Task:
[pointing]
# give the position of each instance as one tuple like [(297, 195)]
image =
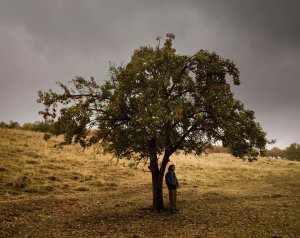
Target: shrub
[(293, 152), (275, 152), (82, 189), (22, 182), (10, 125)]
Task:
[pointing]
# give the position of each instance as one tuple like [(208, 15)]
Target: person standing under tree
[(172, 184)]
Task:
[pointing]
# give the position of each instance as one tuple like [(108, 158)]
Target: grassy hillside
[(46, 192), (32, 167)]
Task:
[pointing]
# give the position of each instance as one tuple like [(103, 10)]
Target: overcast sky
[(44, 41)]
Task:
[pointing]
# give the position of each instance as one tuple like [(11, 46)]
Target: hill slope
[(45, 192)]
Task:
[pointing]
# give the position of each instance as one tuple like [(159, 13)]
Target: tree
[(292, 152), (10, 125), (42, 126), (158, 104), (275, 152)]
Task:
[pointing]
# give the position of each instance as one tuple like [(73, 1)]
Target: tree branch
[(179, 142)]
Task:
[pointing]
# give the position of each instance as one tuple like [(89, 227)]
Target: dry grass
[(31, 166), (45, 192)]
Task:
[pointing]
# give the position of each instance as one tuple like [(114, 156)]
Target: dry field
[(46, 192)]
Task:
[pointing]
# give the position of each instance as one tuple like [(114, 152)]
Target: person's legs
[(175, 200), (172, 199)]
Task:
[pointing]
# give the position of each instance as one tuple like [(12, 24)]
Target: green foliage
[(292, 152), (275, 152), (158, 103), (10, 125), (47, 136), (42, 126), (3, 124)]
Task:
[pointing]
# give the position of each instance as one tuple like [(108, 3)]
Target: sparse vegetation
[(29, 163), (292, 152), (41, 126), (72, 192), (10, 125), (22, 182)]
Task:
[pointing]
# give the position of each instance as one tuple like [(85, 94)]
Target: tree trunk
[(157, 191), (157, 183), (157, 176)]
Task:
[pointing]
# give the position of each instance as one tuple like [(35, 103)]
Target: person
[(173, 185)]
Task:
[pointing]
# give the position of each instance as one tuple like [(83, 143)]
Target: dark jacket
[(171, 180)]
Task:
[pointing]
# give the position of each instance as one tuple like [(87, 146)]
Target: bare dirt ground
[(45, 192)]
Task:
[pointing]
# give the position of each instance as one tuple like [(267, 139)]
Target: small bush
[(76, 176), (32, 162), (82, 189), (49, 188), (32, 190), (22, 182), (47, 137), (52, 178), (111, 184), (96, 183), (2, 169), (65, 186), (88, 178)]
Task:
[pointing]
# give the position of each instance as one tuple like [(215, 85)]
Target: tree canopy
[(292, 152), (160, 102)]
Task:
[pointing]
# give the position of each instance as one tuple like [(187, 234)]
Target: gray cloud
[(276, 20), (46, 41)]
